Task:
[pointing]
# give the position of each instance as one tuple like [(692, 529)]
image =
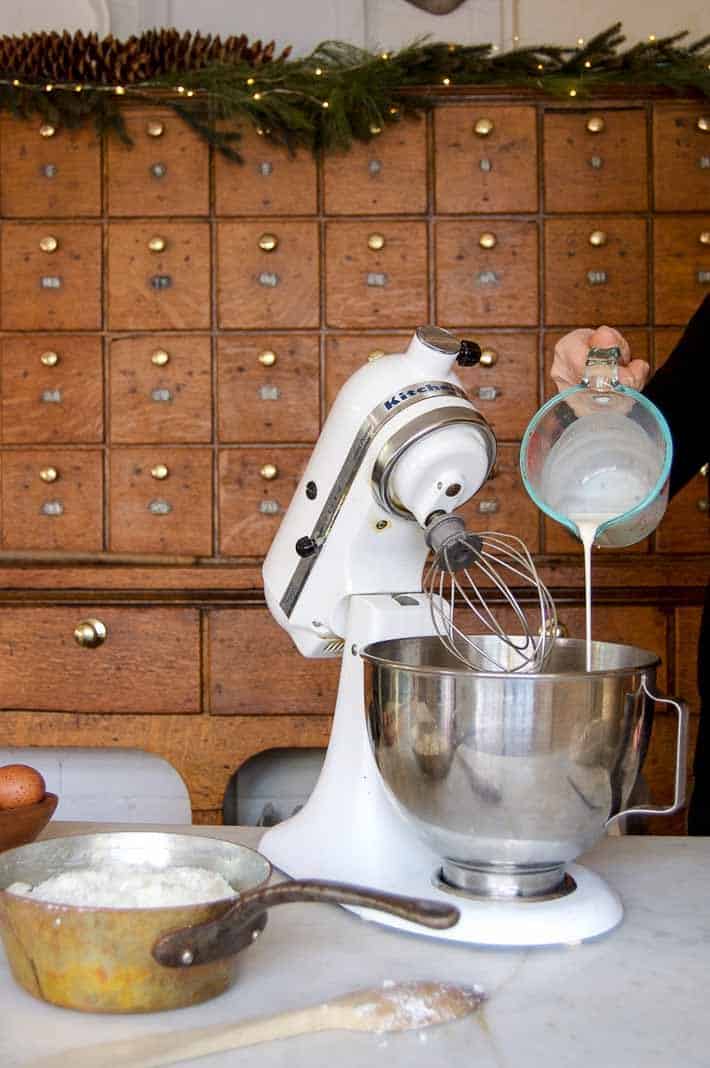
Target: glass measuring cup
[(599, 451)]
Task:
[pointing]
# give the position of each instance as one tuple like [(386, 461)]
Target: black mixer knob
[(306, 546), (469, 354)]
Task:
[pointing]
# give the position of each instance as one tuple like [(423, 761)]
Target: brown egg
[(20, 785)]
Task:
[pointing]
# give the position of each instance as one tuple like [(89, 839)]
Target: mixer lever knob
[(469, 354), (306, 546)]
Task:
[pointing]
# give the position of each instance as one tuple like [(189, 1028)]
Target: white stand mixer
[(402, 446)]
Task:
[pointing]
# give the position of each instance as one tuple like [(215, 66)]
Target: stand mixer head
[(402, 448)]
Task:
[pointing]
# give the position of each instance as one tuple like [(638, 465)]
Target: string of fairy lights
[(257, 94), (341, 92)]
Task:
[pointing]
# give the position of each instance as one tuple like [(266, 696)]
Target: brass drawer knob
[(49, 359), (375, 354), (49, 474), (489, 357), (703, 123), (90, 633), (160, 471), (703, 504), (375, 129), (49, 244), (705, 237), (488, 240), (269, 472), (267, 358), (595, 124), (155, 128), (597, 238), (376, 242), (268, 242), (483, 127), (160, 357), (157, 244), (47, 130)]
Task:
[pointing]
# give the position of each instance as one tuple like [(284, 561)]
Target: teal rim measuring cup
[(599, 451)]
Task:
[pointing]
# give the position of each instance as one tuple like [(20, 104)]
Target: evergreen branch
[(338, 94)]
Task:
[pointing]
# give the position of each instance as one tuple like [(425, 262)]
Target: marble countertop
[(636, 997)]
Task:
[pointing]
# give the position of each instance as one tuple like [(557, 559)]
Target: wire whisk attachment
[(468, 568)]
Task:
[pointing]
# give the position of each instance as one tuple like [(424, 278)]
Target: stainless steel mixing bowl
[(509, 777)]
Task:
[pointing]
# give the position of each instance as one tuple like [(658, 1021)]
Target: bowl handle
[(680, 762)]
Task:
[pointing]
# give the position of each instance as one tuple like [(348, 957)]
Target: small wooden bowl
[(18, 826)]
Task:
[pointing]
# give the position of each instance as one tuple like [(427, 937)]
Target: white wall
[(386, 23), (562, 22)]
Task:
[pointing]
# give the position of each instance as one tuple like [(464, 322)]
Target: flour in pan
[(124, 887)]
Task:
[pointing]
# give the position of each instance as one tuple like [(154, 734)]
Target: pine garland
[(327, 100)]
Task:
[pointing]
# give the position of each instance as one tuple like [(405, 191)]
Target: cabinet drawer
[(268, 388), (161, 389), (681, 268), (503, 386), (52, 499), (345, 353), (159, 275), (51, 390), (376, 273), (487, 273), (268, 277), (641, 625), (164, 172), (246, 647), (685, 528), (596, 161), (486, 159), (255, 489), (385, 175), (596, 270), (160, 501), (681, 155), (148, 662), (51, 276), (48, 170), (269, 182), (502, 503), (638, 341)]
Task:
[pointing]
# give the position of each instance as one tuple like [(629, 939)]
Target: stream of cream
[(588, 526)]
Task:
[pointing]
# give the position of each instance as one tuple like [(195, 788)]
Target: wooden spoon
[(391, 1007)]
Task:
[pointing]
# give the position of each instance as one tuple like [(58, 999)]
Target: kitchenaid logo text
[(428, 387)]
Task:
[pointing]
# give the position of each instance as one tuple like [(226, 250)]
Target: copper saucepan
[(149, 959)]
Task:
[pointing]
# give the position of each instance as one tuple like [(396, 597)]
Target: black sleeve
[(680, 388)]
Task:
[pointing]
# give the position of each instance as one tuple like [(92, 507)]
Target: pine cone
[(78, 57)]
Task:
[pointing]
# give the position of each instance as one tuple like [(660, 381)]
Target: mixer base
[(591, 909)]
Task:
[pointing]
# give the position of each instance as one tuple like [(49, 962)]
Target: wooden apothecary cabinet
[(174, 329)]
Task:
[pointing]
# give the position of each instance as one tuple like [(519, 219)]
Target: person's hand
[(570, 357)]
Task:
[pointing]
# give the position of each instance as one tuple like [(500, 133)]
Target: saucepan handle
[(241, 924), (681, 750)]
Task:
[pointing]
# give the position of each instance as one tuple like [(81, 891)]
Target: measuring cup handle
[(601, 371), (241, 923), (681, 709)]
